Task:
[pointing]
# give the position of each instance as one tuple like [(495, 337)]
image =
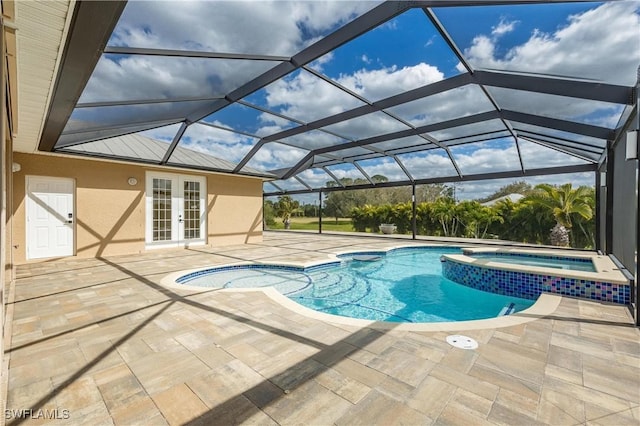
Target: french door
[(176, 210)]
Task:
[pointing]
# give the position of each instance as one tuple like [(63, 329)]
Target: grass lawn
[(311, 224)]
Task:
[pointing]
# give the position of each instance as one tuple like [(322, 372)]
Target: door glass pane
[(161, 209), (191, 210)]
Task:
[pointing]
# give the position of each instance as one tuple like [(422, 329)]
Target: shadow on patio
[(103, 339)]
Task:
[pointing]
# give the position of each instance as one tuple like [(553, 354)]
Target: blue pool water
[(547, 262), (405, 285)]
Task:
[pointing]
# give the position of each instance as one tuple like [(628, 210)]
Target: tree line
[(547, 214)]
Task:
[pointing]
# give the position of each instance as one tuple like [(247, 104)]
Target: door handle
[(69, 217), (180, 219)]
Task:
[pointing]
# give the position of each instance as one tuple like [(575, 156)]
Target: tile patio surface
[(104, 340)]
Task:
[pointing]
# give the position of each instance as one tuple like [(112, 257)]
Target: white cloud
[(153, 77), (503, 27), (535, 156), (476, 160), (346, 171), (274, 156), (385, 167), (601, 43), (216, 142), (279, 28), (390, 25), (482, 158), (165, 133), (289, 184), (580, 110), (469, 129), (228, 27), (307, 98), (259, 27), (431, 40), (318, 64), (459, 102), (367, 126), (428, 164), (610, 119), (313, 139), (384, 82), (316, 178), (233, 147)]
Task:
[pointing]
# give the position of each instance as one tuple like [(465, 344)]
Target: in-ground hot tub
[(529, 273)]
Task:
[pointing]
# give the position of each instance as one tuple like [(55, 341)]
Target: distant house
[(514, 198)]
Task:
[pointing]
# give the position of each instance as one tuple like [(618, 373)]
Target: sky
[(593, 41)]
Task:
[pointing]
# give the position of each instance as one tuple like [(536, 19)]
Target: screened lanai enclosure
[(306, 94)]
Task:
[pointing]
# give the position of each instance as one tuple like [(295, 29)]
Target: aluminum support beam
[(443, 125), (319, 212), (348, 32), (151, 124), (454, 47), (174, 143), (304, 163), (364, 173), (553, 138), (467, 178), (428, 90), (92, 23), (411, 95), (123, 50), (558, 124), (397, 135), (404, 169), (414, 222), (276, 186), (580, 89), (107, 132), (302, 182), (447, 38), (267, 111), (558, 149), (146, 101), (458, 3), (334, 177), (594, 151)]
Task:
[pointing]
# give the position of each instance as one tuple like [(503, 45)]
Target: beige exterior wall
[(235, 210), (110, 214)]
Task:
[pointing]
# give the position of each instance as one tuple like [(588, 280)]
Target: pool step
[(366, 257)]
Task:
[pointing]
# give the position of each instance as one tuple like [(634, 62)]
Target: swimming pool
[(402, 285)]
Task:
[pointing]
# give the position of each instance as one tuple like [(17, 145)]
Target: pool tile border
[(505, 279)]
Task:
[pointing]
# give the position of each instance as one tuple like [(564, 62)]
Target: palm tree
[(564, 203), (476, 218), (444, 210), (284, 207)]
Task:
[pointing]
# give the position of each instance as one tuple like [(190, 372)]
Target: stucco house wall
[(110, 213)]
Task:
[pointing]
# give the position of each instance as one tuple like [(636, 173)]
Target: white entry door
[(176, 210), (50, 217)]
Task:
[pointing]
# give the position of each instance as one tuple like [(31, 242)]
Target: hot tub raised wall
[(504, 279)]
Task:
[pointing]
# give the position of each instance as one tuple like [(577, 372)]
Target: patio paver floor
[(104, 340)]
